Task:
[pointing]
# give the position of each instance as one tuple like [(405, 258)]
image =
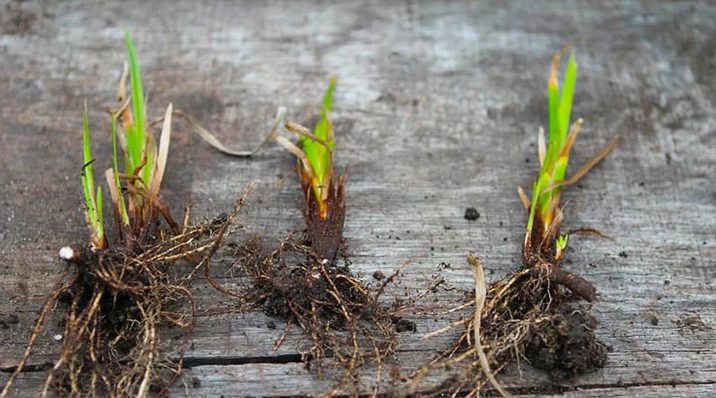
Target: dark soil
[(303, 285), (566, 346), (293, 284), (115, 308), (471, 214)]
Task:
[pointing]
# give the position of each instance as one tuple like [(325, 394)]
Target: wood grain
[(437, 109)]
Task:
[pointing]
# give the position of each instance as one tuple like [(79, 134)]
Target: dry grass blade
[(162, 155), (589, 232), (304, 132), (586, 166), (524, 199), (480, 294), (296, 151), (210, 139)]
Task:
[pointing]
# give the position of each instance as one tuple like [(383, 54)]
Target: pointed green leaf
[(87, 151), (318, 155), (136, 136), (566, 97), (87, 176), (553, 123)]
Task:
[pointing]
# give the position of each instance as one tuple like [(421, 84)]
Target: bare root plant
[(528, 315), (347, 321), (118, 297)]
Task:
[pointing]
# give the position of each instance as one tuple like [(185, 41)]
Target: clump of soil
[(566, 345), (471, 214)]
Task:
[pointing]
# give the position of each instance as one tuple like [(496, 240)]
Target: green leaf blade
[(87, 176), (318, 155), (136, 136), (567, 96), (87, 151)]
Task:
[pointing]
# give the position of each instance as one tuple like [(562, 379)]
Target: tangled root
[(343, 317), (115, 301), (526, 315)]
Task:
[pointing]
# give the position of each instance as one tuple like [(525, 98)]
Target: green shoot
[(141, 158), (544, 203), (136, 131), (136, 202), (320, 156), (545, 212), (560, 245), (93, 202)]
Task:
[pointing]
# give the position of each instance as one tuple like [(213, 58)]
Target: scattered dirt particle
[(471, 214), (8, 319), (404, 325), (24, 290), (271, 325), (691, 323), (667, 282), (16, 21), (623, 254), (654, 320), (378, 275), (195, 382)]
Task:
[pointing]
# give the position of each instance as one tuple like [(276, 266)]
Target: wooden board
[(437, 109)]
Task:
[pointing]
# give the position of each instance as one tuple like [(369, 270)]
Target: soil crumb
[(471, 214), (566, 346)]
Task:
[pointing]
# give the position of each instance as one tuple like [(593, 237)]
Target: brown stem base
[(575, 283)]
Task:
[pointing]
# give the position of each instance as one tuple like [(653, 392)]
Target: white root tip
[(68, 254)]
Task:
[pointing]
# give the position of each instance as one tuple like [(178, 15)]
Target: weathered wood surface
[(437, 109)]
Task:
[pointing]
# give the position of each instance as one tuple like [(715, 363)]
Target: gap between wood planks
[(194, 362)]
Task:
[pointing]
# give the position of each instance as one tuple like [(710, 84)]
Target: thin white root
[(480, 294), (444, 329)]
